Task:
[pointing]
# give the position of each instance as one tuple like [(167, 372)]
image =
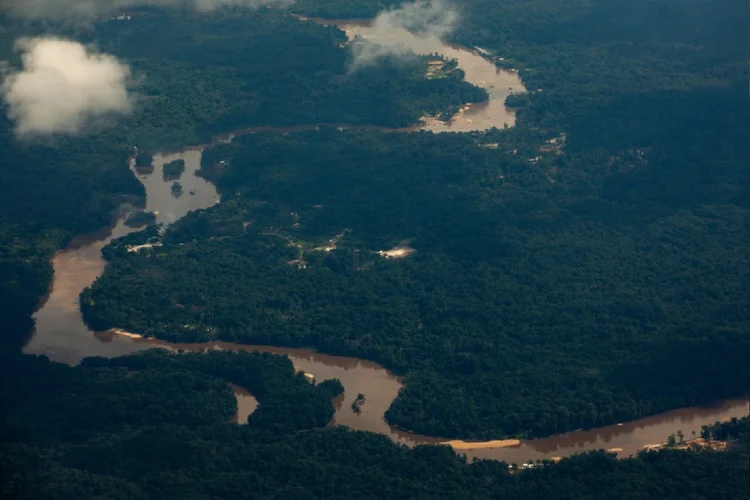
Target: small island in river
[(140, 218), (144, 163), (357, 403), (173, 170)]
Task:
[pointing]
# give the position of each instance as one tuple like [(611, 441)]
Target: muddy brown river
[(62, 335), (499, 83)]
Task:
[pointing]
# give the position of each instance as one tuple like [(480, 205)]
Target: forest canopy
[(155, 426), (587, 266), (579, 269), (541, 307), (195, 78)]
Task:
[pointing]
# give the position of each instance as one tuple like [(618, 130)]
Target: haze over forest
[(420, 244)]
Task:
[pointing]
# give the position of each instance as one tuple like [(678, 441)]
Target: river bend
[(62, 335)]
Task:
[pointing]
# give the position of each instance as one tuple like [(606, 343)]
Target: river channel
[(499, 83), (62, 335)]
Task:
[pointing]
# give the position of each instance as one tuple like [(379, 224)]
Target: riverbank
[(360, 376), (477, 67), (62, 335)]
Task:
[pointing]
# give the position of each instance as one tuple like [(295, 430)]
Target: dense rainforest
[(233, 69), (522, 312), (193, 77), (155, 426), (586, 266), (48, 194)]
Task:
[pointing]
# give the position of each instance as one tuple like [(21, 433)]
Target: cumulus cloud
[(86, 10), (63, 87), (412, 27)]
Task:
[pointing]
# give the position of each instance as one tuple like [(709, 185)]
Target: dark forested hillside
[(154, 426)]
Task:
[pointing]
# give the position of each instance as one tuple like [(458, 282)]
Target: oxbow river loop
[(62, 335)]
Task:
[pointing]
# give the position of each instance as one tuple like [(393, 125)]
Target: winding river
[(62, 335)]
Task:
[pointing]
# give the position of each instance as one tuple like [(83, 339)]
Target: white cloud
[(63, 87), (86, 10), (412, 27)]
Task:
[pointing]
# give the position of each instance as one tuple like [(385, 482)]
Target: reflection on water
[(479, 71)]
